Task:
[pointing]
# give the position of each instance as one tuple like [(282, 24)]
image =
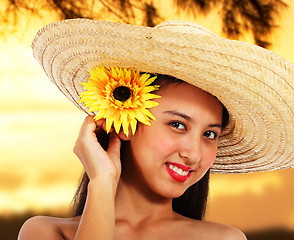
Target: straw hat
[(255, 85)]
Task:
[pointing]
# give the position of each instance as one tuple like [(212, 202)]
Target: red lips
[(178, 172)]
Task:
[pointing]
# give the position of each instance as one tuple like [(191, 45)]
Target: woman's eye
[(210, 135), (178, 125)]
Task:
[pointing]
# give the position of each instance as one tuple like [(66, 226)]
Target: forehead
[(188, 99), (182, 90), (167, 82)]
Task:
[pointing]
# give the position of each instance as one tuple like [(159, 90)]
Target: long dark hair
[(191, 204)]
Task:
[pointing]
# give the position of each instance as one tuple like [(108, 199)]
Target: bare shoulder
[(40, 227), (51, 228), (221, 231)]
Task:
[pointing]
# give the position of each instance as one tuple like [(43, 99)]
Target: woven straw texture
[(255, 85)]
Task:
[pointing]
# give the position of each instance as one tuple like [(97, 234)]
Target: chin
[(176, 195), (171, 192)]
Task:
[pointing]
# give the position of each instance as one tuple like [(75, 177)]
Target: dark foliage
[(238, 16), (271, 234)]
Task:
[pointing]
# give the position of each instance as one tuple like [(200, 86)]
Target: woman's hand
[(98, 163), (103, 169)]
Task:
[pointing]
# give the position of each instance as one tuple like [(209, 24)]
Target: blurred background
[(38, 125)]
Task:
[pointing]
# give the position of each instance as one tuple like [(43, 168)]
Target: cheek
[(153, 143), (164, 146), (208, 158)]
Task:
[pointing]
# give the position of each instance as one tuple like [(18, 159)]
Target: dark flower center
[(121, 93)]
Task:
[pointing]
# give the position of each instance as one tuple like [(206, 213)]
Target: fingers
[(88, 125), (96, 161), (114, 146), (100, 124), (86, 139), (90, 128)]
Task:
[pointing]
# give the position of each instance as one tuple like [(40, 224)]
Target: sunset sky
[(38, 128)]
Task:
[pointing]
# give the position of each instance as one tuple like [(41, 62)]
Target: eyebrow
[(215, 125), (188, 118), (176, 113)]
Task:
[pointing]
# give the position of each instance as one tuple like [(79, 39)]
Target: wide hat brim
[(255, 85)]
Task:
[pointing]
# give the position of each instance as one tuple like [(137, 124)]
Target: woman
[(131, 189)]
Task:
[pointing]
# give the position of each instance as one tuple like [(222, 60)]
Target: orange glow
[(38, 128)]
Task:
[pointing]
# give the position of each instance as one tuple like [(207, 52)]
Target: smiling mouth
[(177, 170)]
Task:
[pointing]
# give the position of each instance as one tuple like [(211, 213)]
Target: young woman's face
[(181, 145)]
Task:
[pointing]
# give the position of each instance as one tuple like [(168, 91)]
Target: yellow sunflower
[(121, 96)]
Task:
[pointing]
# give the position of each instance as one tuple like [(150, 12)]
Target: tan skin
[(136, 203)]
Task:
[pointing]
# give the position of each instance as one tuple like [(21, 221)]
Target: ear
[(123, 136)]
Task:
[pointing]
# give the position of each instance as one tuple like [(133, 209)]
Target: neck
[(135, 202), (137, 205)]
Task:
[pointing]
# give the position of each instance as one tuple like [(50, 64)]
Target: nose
[(191, 150)]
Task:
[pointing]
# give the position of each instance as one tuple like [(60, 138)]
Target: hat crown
[(184, 27)]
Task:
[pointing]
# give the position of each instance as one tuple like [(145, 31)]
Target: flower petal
[(150, 80), (117, 122), (150, 104), (133, 123), (148, 113), (98, 97), (109, 121)]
